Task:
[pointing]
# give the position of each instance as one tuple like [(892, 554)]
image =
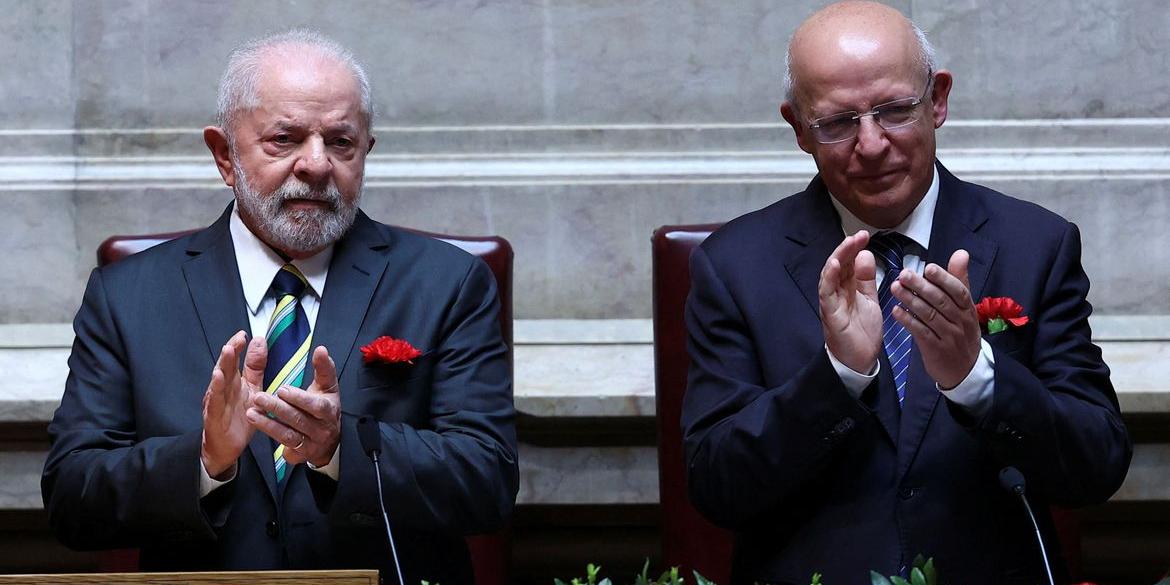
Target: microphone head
[(1012, 480), (369, 435)]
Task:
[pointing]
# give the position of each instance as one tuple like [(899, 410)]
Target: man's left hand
[(307, 422), (936, 308)]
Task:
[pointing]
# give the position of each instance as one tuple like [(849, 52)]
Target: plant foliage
[(922, 572)]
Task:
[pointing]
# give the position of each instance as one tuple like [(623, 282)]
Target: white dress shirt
[(258, 265), (976, 391)]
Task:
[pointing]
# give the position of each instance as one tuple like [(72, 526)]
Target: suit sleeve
[(460, 474), (750, 448), (102, 486), (1057, 419)]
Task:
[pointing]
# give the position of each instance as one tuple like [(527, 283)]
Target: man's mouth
[(874, 176), (307, 203)]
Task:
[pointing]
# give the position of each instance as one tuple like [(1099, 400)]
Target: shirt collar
[(258, 264), (917, 226)]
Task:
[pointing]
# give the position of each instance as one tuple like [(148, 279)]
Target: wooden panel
[(252, 577)]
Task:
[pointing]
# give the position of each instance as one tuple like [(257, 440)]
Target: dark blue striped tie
[(889, 248), (288, 343)]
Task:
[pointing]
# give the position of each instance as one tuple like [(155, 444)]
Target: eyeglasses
[(890, 115)]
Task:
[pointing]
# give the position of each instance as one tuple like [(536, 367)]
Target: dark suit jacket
[(811, 479), (124, 464)]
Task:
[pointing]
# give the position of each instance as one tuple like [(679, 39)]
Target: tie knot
[(889, 248), (288, 281)]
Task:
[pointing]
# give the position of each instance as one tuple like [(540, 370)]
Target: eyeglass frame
[(874, 112)]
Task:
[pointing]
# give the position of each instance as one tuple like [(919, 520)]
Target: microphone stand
[(368, 434), (1013, 481)]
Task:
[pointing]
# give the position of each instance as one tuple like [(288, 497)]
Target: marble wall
[(571, 128)]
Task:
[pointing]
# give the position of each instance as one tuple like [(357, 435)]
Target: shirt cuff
[(208, 484), (976, 391), (332, 470), (855, 382)]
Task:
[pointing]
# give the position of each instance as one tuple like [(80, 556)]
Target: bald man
[(846, 408)]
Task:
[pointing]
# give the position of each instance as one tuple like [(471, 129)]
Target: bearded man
[(155, 444)]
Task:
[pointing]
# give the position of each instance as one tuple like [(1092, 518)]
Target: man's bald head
[(853, 29), (864, 99)]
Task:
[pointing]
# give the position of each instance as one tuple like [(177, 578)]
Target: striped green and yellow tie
[(289, 341)]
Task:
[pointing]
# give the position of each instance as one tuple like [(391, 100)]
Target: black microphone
[(371, 439), (1009, 477), (1013, 481)]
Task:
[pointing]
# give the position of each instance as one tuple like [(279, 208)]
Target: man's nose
[(313, 165), (872, 140)]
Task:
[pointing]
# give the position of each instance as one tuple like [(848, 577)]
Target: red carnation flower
[(388, 350), (997, 313)]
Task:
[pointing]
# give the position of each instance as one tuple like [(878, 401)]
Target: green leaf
[(876, 578), (1164, 581), (816, 580), (644, 577), (917, 577), (996, 325), (898, 580), (558, 582), (701, 580), (606, 581), (591, 571), (929, 572)]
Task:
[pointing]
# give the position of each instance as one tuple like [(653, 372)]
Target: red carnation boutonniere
[(388, 350), (996, 314)]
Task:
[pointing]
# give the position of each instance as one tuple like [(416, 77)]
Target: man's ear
[(943, 81), (788, 111), (220, 147)]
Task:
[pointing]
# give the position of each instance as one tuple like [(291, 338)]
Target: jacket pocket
[(374, 376)]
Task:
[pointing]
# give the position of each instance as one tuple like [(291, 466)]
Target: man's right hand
[(851, 317), (226, 431)]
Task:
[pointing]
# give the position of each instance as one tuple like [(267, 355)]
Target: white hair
[(237, 87), (926, 59)]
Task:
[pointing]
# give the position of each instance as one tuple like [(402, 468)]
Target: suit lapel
[(957, 219), (359, 260), (213, 279), (819, 234)]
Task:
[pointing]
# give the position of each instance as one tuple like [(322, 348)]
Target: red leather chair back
[(491, 554), (688, 539)]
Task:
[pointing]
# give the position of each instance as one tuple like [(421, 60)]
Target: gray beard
[(300, 230)]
